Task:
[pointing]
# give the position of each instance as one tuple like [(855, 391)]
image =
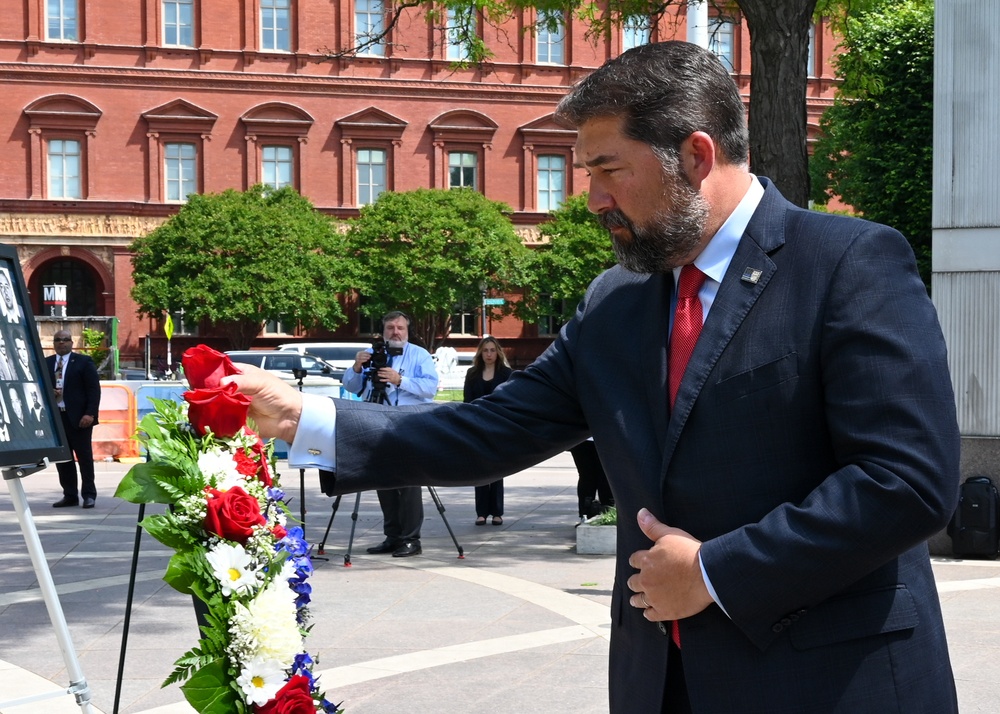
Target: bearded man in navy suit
[(775, 496)]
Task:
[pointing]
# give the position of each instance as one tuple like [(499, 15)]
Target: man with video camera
[(394, 371)]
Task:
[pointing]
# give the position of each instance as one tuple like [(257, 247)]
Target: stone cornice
[(274, 84)]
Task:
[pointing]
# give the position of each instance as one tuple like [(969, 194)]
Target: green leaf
[(166, 530), (207, 691), (182, 571), (142, 483)]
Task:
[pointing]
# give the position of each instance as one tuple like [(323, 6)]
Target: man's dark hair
[(665, 91)]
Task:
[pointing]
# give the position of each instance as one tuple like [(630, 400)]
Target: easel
[(354, 522), (78, 684)]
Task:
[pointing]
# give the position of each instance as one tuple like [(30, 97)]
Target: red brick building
[(115, 110)]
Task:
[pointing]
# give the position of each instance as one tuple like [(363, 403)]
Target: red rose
[(279, 531), (232, 514), (204, 367), (293, 698), (263, 474), (223, 409), (245, 465)]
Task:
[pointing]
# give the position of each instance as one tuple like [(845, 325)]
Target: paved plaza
[(518, 625)]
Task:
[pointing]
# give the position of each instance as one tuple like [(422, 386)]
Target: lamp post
[(482, 292)]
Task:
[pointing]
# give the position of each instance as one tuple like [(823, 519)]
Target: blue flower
[(294, 542)]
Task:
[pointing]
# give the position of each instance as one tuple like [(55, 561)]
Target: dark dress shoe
[(88, 503), (408, 548), (66, 502), (386, 546)]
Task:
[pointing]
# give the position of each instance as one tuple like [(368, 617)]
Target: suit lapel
[(734, 300), (653, 348)]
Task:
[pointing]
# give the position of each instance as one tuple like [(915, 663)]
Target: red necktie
[(688, 318)]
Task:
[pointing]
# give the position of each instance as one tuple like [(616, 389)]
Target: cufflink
[(315, 452)]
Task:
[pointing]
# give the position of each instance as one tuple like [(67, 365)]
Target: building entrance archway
[(84, 287)]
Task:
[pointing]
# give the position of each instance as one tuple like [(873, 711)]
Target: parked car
[(339, 355), (319, 376)]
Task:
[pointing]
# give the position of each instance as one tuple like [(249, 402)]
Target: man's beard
[(661, 243)]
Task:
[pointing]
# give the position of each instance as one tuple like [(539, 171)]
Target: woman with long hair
[(489, 369)]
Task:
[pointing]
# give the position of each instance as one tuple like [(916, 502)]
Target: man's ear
[(698, 157)]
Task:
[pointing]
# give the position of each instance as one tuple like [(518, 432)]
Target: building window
[(368, 324), (369, 23), (276, 327), (456, 49), (635, 32), (61, 20), (551, 320), (371, 175), (720, 42), (65, 162), (178, 23), (275, 24), (277, 164), (463, 170), (180, 171), (811, 66), (550, 37), (551, 182), (463, 319), (182, 326)]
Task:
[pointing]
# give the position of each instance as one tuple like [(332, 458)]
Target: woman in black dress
[(489, 368)]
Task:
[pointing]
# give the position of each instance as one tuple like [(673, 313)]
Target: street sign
[(493, 301)]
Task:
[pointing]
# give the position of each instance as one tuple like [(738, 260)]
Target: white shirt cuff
[(708, 584), (314, 445)]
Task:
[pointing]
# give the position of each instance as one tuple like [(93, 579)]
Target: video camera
[(382, 352)]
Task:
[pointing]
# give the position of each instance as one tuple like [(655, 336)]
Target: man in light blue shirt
[(408, 378)]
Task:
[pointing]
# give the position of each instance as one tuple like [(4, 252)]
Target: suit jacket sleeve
[(91, 386)]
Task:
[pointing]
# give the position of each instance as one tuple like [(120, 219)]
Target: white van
[(339, 355)]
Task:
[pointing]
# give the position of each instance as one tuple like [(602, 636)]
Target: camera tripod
[(377, 395)]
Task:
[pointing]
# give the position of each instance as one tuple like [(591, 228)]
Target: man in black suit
[(780, 444), (78, 395)]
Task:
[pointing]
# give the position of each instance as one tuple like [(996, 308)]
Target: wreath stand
[(78, 686)]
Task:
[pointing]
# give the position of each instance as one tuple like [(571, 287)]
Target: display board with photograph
[(30, 429)]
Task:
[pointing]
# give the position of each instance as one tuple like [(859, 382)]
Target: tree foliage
[(876, 148), (241, 259), (577, 250), (427, 251)]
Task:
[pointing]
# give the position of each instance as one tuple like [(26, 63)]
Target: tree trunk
[(779, 52), (242, 333)]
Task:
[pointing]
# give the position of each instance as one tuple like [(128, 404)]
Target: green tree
[(576, 251), (427, 251), (779, 50), (876, 148), (241, 259)]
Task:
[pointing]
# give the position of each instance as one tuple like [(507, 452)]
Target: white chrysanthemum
[(233, 566), (219, 468), (269, 620), (287, 571), (260, 680)]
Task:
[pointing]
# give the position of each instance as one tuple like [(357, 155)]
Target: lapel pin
[(751, 275)]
